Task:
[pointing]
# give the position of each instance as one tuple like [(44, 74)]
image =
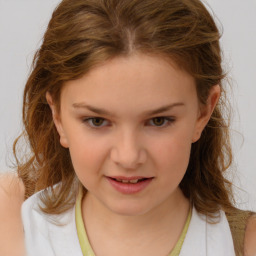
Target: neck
[(163, 223)]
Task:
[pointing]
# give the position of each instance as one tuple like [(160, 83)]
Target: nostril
[(127, 156)]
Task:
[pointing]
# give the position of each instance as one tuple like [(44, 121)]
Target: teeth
[(128, 181), (133, 181)]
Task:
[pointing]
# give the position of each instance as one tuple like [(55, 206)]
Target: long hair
[(84, 33)]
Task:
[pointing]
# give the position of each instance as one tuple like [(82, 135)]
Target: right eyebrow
[(92, 109)]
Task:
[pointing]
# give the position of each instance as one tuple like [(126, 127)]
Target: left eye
[(161, 121), (95, 122)]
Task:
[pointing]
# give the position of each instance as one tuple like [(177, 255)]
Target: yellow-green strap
[(84, 242), (178, 246), (83, 239)]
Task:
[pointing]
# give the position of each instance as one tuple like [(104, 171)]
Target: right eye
[(95, 122), (161, 121)]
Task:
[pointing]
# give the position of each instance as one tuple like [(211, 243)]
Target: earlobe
[(57, 120), (206, 112)]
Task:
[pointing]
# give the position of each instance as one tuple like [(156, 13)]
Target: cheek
[(172, 164), (87, 154), (172, 153)]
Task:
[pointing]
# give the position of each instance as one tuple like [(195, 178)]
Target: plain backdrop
[(23, 22)]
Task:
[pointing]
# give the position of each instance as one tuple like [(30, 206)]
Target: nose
[(127, 151)]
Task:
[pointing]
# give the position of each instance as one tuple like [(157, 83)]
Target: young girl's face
[(129, 125)]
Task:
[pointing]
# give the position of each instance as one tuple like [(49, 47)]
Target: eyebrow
[(101, 111)]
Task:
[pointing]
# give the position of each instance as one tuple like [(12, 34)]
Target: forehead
[(137, 80)]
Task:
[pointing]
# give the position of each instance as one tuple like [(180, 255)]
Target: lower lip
[(129, 188)]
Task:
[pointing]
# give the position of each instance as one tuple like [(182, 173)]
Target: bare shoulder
[(250, 237), (11, 199), (11, 192), (11, 184)]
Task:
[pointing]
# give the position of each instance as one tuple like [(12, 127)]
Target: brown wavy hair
[(84, 33)]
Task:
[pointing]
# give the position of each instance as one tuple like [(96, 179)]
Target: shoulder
[(250, 237), (33, 218), (33, 210), (11, 184), (243, 228), (11, 194), (11, 199), (49, 233)]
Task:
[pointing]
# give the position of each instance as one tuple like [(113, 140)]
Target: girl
[(124, 114)]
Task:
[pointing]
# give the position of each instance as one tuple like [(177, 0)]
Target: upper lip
[(129, 178)]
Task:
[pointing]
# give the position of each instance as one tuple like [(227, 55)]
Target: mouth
[(129, 185), (127, 181)]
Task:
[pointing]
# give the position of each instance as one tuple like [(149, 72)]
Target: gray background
[(23, 22)]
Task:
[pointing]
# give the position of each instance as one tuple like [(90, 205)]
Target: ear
[(205, 112), (57, 120)]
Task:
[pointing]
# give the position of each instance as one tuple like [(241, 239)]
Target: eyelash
[(88, 121), (167, 121)]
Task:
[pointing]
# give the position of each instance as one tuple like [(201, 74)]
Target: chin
[(129, 210)]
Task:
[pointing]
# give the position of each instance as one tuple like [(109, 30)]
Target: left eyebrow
[(163, 109), (101, 111)]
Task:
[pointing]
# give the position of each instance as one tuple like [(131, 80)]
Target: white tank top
[(56, 235)]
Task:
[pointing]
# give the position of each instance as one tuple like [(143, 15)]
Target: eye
[(161, 121), (95, 122)]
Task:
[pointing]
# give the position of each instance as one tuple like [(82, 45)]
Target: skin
[(11, 230), (250, 237), (127, 140)]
